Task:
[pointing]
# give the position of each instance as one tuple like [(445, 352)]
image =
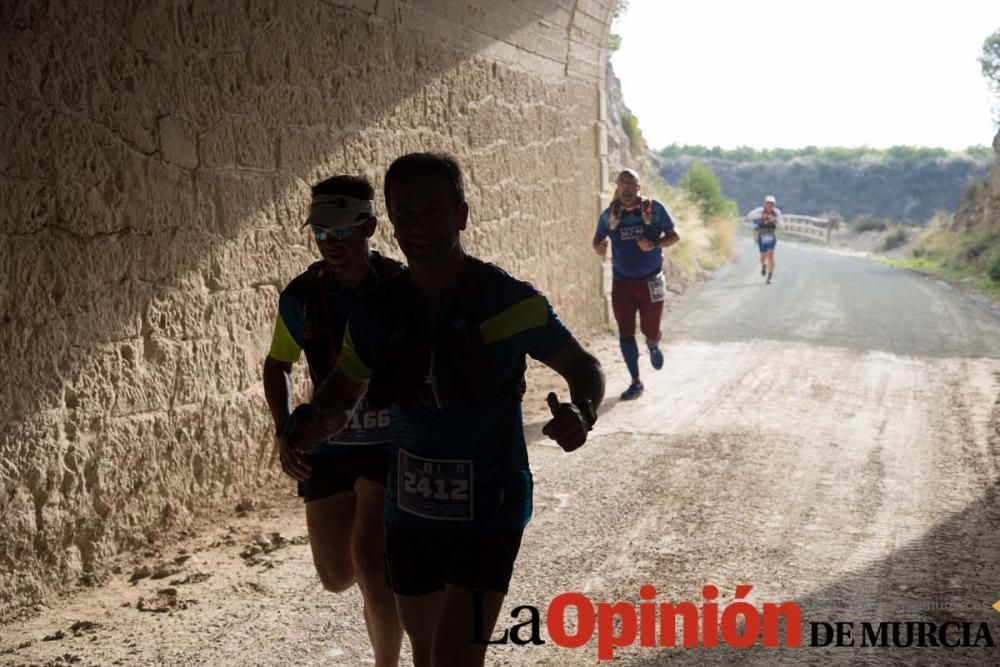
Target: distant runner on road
[(639, 229), (448, 341), (765, 220)]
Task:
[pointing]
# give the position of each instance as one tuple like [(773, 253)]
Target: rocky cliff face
[(980, 207), (620, 150)]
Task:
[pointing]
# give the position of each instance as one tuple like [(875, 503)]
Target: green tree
[(704, 189), (990, 63), (990, 58), (615, 39), (631, 126)]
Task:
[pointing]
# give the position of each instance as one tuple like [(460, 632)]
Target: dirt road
[(832, 439)]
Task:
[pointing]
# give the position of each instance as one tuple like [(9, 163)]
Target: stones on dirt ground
[(246, 505), (258, 588), (250, 550), (264, 544), (160, 570), (165, 569), (195, 578), (91, 579), (227, 541), (165, 600), (55, 636), (83, 627)]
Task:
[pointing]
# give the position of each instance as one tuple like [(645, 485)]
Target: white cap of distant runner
[(770, 200)]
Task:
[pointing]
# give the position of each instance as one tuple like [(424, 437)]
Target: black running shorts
[(337, 473), (421, 561)]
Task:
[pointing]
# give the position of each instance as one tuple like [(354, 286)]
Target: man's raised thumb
[(553, 402)]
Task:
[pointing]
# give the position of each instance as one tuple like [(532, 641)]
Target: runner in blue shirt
[(450, 337), (639, 230), (343, 479)]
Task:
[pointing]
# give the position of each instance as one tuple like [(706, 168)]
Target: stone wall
[(155, 163)]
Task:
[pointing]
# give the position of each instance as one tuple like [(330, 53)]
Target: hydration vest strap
[(645, 209)]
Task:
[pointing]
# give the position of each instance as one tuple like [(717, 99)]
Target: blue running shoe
[(633, 392), (656, 357)]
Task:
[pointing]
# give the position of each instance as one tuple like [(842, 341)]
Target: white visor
[(339, 212), (770, 200)]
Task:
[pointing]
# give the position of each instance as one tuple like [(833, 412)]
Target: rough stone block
[(177, 142), (217, 146)]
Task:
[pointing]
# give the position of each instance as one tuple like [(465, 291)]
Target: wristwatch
[(587, 411)]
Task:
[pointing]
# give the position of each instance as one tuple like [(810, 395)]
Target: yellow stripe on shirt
[(528, 314), (350, 363), (283, 346)]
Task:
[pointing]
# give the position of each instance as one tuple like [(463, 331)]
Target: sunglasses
[(323, 233)]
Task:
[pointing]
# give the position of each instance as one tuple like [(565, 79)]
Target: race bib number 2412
[(439, 489)]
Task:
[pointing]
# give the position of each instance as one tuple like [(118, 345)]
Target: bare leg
[(453, 638), (420, 615), (368, 542), (330, 521)]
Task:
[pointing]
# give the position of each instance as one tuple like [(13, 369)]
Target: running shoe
[(633, 392), (656, 357)]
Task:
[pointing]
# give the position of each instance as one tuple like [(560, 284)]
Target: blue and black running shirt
[(455, 382), (312, 315), (628, 260)]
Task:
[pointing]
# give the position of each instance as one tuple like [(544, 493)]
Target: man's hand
[(646, 245), (567, 426), (294, 464), (601, 248), (305, 429)]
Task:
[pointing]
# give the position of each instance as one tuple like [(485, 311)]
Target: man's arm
[(582, 371), (278, 388), (600, 246), (600, 241), (669, 239), (326, 414)]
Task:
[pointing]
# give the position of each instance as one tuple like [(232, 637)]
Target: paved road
[(823, 298), (832, 439)]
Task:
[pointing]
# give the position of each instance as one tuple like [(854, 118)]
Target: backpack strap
[(647, 211), (614, 214)]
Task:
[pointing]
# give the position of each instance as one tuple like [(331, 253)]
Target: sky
[(788, 74)]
